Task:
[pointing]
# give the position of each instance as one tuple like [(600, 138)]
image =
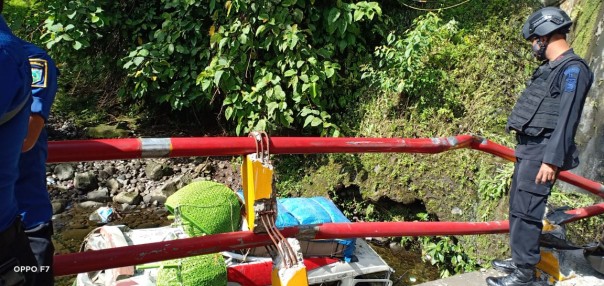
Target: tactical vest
[(537, 106)]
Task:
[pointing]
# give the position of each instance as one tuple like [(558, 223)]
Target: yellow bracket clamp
[(261, 213), (257, 180)]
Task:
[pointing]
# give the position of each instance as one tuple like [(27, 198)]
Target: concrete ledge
[(476, 278)]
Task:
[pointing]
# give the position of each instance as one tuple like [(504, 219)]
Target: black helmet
[(545, 21)]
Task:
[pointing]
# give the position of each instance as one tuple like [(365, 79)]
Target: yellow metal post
[(257, 180)]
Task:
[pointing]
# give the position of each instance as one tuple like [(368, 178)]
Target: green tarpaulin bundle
[(206, 207), (203, 208)]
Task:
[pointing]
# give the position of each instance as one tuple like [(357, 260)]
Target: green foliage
[(24, 17), (82, 19), (81, 109), (493, 186), (447, 254), (263, 65), (415, 65), (585, 23), (81, 37), (356, 208), (268, 69), (423, 216), (458, 78), (493, 180)]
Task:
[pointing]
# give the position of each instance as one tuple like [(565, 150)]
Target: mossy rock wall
[(487, 80), (444, 183)]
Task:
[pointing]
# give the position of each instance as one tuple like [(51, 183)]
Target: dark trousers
[(527, 207), (40, 241), (17, 263)]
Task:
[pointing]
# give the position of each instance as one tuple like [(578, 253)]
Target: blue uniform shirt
[(32, 196), (15, 85)]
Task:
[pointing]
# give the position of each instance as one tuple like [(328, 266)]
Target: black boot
[(520, 277), (505, 266)]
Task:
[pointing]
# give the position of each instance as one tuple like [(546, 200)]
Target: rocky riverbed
[(136, 190), (140, 185)]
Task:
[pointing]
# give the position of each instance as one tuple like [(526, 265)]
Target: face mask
[(539, 50)]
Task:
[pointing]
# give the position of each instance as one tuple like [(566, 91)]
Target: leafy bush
[(261, 64), (446, 253), (24, 18), (415, 65), (495, 186)]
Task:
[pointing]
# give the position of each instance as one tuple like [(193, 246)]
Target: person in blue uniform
[(545, 120), (15, 84), (32, 196)]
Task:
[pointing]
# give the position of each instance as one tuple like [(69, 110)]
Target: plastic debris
[(103, 215)]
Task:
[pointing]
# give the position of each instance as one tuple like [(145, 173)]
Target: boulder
[(58, 206), (106, 131), (131, 198), (100, 195), (90, 205), (154, 170), (113, 185), (85, 181), (63, 171)]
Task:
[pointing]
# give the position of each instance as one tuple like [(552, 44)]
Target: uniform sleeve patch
[(571, 74), (39, 70)]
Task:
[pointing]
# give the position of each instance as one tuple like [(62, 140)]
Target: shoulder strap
[(9, 115), (565, 62)]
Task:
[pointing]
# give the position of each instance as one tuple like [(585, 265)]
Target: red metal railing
[(115, 149), (112, 149)]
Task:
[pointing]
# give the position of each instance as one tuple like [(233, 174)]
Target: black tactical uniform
[(545, 119)]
